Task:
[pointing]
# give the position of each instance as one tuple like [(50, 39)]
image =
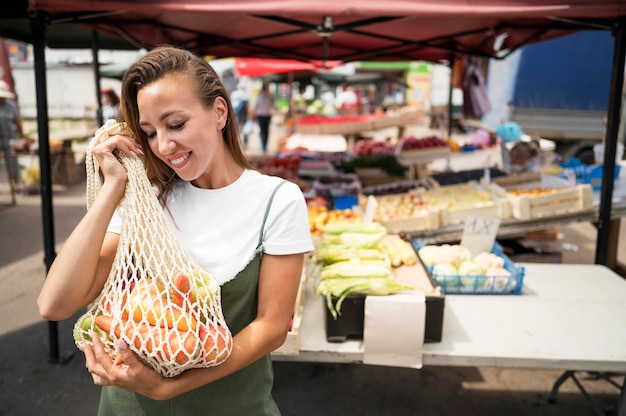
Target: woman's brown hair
[(153, 66)]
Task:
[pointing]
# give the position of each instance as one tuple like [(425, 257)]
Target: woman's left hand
[(133, 375)]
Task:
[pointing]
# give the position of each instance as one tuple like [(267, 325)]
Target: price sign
[(479, 234), (370, 209)]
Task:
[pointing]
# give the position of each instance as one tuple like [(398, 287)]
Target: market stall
[(562, 320), (409, 30)]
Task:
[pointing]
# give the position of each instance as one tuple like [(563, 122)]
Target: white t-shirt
[(220, 228)]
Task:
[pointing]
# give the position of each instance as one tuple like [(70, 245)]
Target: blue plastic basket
[(587, 174), (481, 284)]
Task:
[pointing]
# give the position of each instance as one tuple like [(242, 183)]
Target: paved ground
[(32, 383)]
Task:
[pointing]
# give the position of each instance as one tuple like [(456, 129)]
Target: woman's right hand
[(111, 167)]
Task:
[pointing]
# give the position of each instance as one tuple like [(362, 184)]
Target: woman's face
[(180, 130)]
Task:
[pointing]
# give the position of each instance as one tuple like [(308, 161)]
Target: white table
[(569, 317)]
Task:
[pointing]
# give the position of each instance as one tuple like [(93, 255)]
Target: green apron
[(244, 393)]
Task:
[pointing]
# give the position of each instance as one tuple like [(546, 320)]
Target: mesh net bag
[(156, 297)]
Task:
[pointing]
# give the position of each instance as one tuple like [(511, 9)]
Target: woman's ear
[(221, 112)]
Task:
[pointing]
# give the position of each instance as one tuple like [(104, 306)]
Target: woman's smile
[(179, 160)]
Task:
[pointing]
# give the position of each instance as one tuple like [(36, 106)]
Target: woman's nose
[(165, 143)]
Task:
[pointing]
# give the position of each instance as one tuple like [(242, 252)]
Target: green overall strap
[(267, 210)]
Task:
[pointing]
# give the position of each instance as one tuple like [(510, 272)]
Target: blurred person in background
[(110, 104), (240, 101), (264, 109), (10, 129)]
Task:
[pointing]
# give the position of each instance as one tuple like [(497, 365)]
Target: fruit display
[(415, 150), (455, 269), (373, 147), (458, 197), (414, 143), (285, 167), (400, 206), (320, 216)]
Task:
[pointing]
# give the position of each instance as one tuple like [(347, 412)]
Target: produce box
[(545, 201), (504, 279), (291, 346), (424, 155), (350, 322), (456, 202), (404, 213)]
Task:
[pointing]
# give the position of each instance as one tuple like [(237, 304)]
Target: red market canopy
[(258, 67), (349, 30)]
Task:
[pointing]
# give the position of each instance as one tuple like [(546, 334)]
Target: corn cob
[(333, 253), (356, 269), (400, 251)]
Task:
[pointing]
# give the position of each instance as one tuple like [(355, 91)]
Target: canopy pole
[(610, 141), (38, 28), (95, 46)]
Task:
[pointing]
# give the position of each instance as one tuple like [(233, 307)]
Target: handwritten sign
[(370, 209), (479, 234)]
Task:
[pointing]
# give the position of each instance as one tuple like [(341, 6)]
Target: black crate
[(350, 323)]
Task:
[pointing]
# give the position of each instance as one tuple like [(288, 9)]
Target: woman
[(178, 108), (10, 129), (264, 109), (110, 104)]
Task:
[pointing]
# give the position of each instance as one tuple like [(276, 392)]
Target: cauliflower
[(471, 267), (454, 254), (489, 260), (445, 269), (430, 254)]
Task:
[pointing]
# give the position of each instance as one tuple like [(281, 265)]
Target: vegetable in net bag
[(156, 297)]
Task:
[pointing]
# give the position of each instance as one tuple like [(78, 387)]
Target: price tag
[(370, 209), (479, 234)]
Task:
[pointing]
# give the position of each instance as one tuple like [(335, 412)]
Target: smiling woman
[(248, 230)]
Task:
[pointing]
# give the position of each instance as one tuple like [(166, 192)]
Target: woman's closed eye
[(152, 134), (176, 126)]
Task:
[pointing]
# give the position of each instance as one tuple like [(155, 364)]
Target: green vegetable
[(356, 269), (363, 286), (333, 253), (364, 228), (354, 239)]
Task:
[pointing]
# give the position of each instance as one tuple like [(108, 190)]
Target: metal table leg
[(621, 404)]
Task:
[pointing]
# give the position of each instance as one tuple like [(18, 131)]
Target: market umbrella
[(349, 30)]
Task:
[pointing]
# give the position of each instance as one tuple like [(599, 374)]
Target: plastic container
[(598, 153), (481, 284)]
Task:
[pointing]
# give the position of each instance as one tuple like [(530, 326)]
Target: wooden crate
[(498, 209), (291, 346), (453, 213), (425, 155), (555, 202), (427, 218), (431, 220)]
